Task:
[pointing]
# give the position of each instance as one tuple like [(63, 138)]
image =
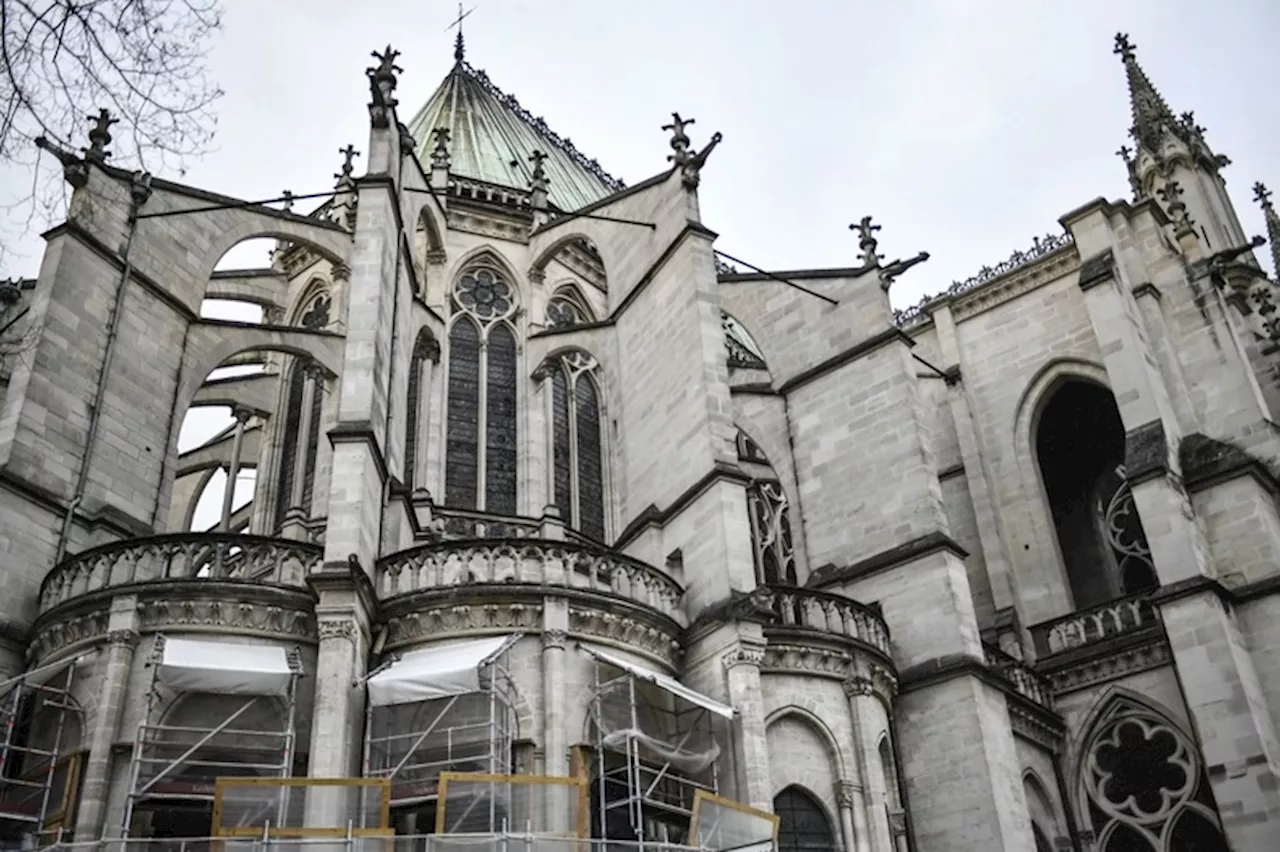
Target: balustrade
[(185, 556), (796, 607), (1094, 625), (532, 562), (1025, 680)]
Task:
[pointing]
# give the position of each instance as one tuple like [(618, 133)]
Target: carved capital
[(855, 686), (340, 272), (743, 655), (125, 638), (554, 639), (848, 793), (337, 629)]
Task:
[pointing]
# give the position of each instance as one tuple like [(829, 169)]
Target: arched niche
[(1079, 445), (803, 823), (567, 308), (1041, 810), (576, 253)]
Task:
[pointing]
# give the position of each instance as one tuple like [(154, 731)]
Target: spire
[(1262, 195), (459, 46), (1151, 114)]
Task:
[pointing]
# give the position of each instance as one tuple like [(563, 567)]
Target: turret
[(1173, 163)]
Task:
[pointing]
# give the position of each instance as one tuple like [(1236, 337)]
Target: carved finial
[(679, 139), (867, 241), (387, 69), (538, 180), (459, 47), (440, 153), (100, 136), (349, 154), (287, 197), (1125, 153), (1262, 195), (1124, 47), (1171, 195)]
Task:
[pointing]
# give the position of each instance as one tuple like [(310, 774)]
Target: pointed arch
[(316, 293), (769, 513), (567, 307), (481, 256), (821, 728), (803, 823), (742, 350), (482, 363), (575, 409), (1040, 807), (590, 253), (1140, 776), (422, 360)]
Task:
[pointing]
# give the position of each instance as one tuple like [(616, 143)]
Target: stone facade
[(935, 579)]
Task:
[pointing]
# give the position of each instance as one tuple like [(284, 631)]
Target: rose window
[(484, 293)]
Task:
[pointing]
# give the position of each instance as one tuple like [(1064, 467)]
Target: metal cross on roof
[(458, 49)]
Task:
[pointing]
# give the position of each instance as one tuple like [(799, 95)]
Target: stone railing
[(454, 524), (1093, 625), (184, 556), (821, 611), (1025, 680), (528, 562)]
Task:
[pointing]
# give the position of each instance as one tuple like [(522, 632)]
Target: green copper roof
[(491, 137)]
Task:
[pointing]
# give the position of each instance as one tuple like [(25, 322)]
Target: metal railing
[(793, 606), (1095, 624), (530, 562), (183, 556)]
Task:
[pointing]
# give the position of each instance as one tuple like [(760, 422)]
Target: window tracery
[(1122, 530), (566, 309), (577, 446), (1146, 789), (802, 824), (743, 351), (771, 533), (482, 391)]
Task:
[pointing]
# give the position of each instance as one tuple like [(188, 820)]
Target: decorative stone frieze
[(744, 655), (459, 619), (631, 633)]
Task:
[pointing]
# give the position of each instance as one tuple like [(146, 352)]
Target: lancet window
[(802, 824), (480, 443), (567, 308), (577, 448), (300, 434), (767, 509), (1147, 790), (418, 414)]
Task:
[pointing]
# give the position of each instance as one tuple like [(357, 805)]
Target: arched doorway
[(1080, 451), (802, 823)]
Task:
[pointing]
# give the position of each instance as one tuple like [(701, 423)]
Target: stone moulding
[(540, 565), (225, 607)]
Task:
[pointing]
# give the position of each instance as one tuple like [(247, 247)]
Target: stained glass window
[(590, 463), (461, 467), (500, 422), (802, 824), (562, 444), (771, 533), (316, 316)]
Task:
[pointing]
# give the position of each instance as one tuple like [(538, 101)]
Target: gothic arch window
[(743, 351), (480, 444), (1079, 442), (303, 410), (802, 823), (1146, 789), (768, 512), (567, 308), (577, 446), (417, 416)]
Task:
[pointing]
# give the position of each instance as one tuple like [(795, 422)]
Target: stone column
[(116, 666), (742, 668), (426, 369), (297, 516), (242, 416), (871, 833), (848, 798), (345, 601), (555, 626)]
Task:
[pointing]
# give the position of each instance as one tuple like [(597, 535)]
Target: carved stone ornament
[(52, 638), (337, 629), (462, 619), (225, 616), (125, 638), (625, 631), (855, 686), (743, 655), (554, 639)]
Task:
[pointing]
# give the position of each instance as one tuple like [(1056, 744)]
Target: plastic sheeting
[(670, 684), (229, 668), (436, 672)]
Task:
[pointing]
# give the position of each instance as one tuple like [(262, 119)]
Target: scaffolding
[(174, 769), (657, 750), (37, 781), (441, 709)]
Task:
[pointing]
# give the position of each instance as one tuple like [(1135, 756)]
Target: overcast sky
[(965, 127)]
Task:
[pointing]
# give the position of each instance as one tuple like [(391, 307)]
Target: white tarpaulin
[(670, 684), (230, 668), (436, 672)]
